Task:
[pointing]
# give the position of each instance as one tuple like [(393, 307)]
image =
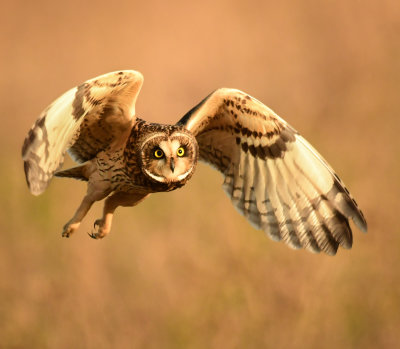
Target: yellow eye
[(180, 151), (158, 153)]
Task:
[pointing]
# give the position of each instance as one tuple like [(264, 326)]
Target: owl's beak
[(172, 165)]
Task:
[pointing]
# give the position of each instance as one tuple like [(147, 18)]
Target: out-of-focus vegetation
[(183, 269)]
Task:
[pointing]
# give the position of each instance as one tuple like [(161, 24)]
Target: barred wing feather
[(273, 176), (84, 121)]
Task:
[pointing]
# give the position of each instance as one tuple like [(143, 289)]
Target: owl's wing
[(84, 121), (273, 176)]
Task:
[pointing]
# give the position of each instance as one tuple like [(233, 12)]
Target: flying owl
[(272, 175)]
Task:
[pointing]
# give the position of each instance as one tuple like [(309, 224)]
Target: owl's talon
[(101, 232), (92, 235), (69, 229), (97, 222)]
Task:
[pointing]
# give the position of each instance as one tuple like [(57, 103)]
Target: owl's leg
[(93, 194), (103, 225)]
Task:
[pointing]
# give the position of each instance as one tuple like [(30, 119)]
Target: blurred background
[(183, 269)]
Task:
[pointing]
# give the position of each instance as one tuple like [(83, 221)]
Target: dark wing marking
[(273, 176), (84, 121)]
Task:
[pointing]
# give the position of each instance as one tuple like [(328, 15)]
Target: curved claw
[(93, 235), (98, 224)]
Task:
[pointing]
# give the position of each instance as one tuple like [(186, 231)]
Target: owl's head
[(169, 157)]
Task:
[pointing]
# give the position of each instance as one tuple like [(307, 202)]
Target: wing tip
[(36, 191), (360, 222), (35, 185)]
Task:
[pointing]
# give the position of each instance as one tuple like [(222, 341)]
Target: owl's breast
[(129, 177)]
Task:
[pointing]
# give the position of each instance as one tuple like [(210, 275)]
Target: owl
[(272, 175)]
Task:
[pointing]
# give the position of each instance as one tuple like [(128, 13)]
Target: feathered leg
[(96, 191), (74, 223), (103, 225)]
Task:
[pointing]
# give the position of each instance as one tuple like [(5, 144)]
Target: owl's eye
[(180, 151), (158, 153)]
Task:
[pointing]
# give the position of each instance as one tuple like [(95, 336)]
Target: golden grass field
[(183, 269)]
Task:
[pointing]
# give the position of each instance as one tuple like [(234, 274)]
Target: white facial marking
[(184, 175), (175, 144), (157, 178), (165, 146)]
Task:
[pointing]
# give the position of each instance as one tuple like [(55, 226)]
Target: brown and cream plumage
[(273, 176)]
